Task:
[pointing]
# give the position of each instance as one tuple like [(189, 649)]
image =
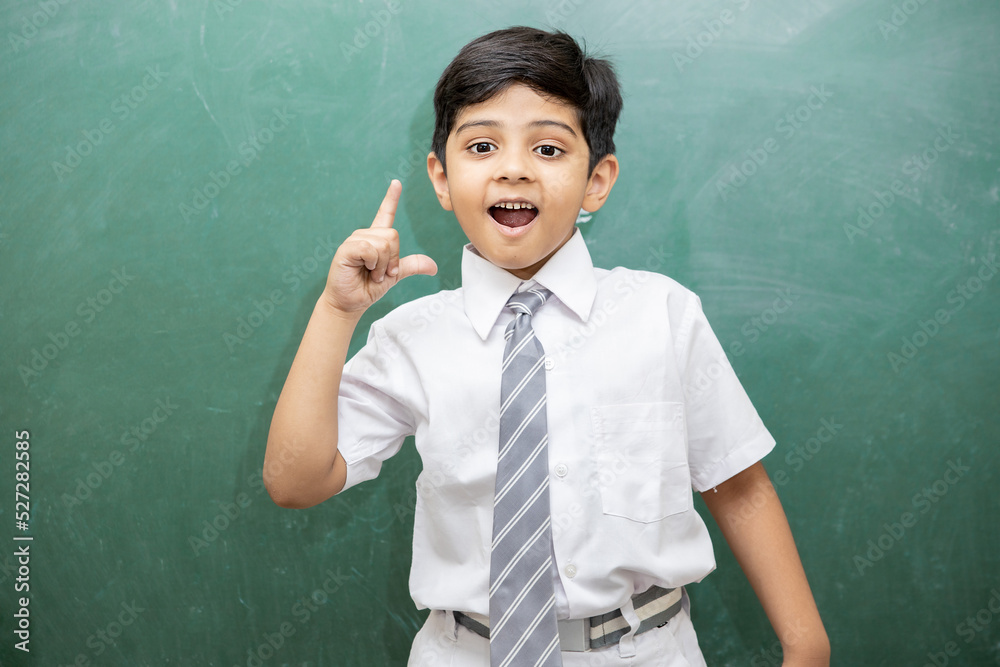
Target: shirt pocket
[(641, 456)]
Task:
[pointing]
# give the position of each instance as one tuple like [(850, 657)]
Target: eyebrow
[(533, 124)]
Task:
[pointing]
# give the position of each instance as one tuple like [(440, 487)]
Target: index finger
[(387, 211)]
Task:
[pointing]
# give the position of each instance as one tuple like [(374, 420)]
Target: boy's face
[(519, 147)]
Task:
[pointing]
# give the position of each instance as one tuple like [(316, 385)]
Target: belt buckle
[(574, 635)]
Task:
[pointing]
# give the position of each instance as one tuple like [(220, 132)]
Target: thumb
[(416, 265)]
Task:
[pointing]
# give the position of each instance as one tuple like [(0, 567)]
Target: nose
[(513, 165)]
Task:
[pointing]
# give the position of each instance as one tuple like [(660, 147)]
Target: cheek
[(569, 197), (467, 204), (569, 183), (464, 190)]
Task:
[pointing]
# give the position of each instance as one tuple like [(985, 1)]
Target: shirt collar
[(569, 274)]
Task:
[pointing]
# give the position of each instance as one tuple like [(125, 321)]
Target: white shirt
[(642, 405)]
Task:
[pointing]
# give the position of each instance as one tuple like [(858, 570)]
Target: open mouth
[(513, 213)]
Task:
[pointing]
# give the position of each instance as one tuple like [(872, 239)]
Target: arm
[(302, 466), (753, 522)]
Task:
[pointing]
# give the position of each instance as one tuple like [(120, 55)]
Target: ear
[(435, 170), (601, 181)]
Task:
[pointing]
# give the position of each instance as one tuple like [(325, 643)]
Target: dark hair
[(550, 63)]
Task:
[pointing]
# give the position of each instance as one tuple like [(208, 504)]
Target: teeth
[(514, 206)]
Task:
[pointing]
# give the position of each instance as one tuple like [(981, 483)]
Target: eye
[(550, 151), (481, 148)]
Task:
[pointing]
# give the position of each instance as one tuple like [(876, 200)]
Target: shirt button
[(549, 364), (561, 470), (570, 570)]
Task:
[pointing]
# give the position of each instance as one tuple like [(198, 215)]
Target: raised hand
[(367, 264)]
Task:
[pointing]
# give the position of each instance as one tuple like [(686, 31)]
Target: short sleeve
[(725, 433), (373, 417)]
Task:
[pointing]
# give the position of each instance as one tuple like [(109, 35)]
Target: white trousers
[(443, 643)]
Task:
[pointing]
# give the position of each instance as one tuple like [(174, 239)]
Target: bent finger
[(416, 265)]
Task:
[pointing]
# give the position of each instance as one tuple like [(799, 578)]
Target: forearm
[(753, 522), (302, 466)]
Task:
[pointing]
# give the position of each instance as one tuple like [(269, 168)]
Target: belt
[(654, 607)]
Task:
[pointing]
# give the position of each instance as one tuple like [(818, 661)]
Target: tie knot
[(528, 301)]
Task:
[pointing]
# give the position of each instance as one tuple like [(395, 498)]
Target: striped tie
[(523, 628)]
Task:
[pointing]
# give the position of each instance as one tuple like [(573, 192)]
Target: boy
[(562, 413)]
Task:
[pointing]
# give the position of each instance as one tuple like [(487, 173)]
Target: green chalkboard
[(175, 176)]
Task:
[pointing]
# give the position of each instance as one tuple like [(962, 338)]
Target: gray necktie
[(523, 628)]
